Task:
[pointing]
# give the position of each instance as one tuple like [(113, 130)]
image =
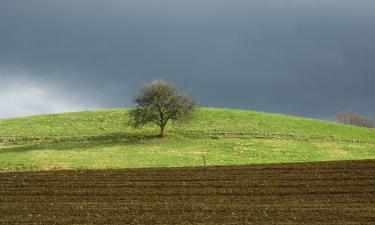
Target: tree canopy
[(159, 102)]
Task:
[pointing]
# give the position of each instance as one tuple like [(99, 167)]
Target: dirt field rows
[(310, 193)]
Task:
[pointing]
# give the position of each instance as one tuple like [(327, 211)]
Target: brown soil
[(307, 193)]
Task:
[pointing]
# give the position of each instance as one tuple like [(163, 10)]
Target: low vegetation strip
[(302, 193), (285, 136), (19, 140)]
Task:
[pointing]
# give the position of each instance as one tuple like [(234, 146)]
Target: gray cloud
[(310, 58), (22, 96)]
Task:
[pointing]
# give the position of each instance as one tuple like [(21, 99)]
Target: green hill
[(101, 139)]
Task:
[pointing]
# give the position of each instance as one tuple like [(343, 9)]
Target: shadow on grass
[(83, 142)]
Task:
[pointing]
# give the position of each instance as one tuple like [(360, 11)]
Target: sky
[(310, 58)]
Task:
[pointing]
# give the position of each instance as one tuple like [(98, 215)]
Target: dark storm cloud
[(310, 58)]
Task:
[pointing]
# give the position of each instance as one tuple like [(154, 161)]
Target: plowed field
[(303, 193)]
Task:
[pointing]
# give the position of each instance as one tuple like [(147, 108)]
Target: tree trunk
[(162, 131)]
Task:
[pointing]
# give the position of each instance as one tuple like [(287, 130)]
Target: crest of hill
[(102, 140), (208, 122)]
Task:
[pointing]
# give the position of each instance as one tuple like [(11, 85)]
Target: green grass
[(101, 139)]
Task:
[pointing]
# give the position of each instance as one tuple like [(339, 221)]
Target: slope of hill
[(101, 139)]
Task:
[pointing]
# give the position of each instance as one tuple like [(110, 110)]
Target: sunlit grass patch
[(101, 139)]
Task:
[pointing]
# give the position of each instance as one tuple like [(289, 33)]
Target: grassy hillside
[(101, 139)]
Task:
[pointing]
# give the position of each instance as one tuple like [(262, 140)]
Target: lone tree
[(159, 102)]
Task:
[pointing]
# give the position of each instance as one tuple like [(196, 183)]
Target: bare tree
[(158, 103), (352, 118)]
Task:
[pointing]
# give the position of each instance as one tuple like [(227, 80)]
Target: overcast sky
[(304, 57)]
